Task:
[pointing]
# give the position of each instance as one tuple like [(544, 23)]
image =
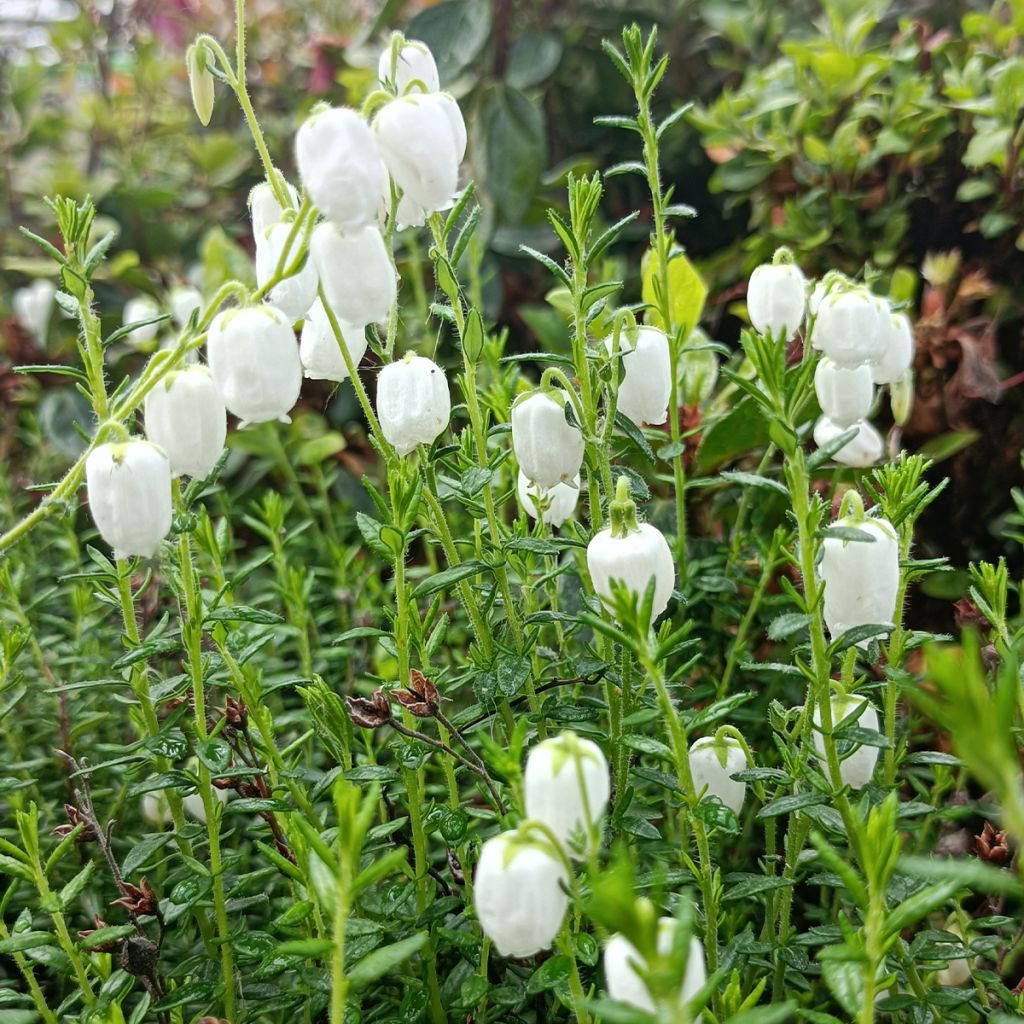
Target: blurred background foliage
[(858, 133)]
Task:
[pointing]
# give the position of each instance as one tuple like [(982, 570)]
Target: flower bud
[(358, 277), (33, 306), (185, 416), (340, 166), (899, 350), (557, 503), (631, 554), (559, 773), (857, 767), (255, 362), (519, 894), (413, 402), (646, 380), (621, 959), (861, 578), (292, 295), (129, 489), (183, 300), (776, 299), (419, 148), (844, 393), (318, 348), (265, 210), (197, 60), (864, 450), (548, 447), (713, 761), (412, 63), (901, 397), (137, 308), (849, 327)]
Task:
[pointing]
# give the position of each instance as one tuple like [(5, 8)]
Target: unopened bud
[(200, 81)]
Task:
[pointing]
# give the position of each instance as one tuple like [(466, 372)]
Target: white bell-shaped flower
[(136, 309), (292, 295), (413, 402), (340, 166), (844, 393), (559, 771), (155, 808), (861, 578), (185, 416), (621, 960), (646, 380), (519, 894), (898, 356), (265, 210), (254, 360), (777, 299), (419, 148), (547, 446), (356, 272), (713, 762), (957, 972), (129, 488), (414, 63), (33, 306), (848, 328), (631, 554), (864, 450), (858, 765), (183, 300), (557, 503), (318, 347)]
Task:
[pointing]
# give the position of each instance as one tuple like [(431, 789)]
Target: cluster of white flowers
[(350, 169), (520, 889), (864, 343)]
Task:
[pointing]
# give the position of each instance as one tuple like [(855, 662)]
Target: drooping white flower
[(255, 361), (193, 804), (646, 380), (265, 210), (957, 972), (621, 959), (292, 295), (844, 393), (864, 450), (183, 300), (631, 554), (777, 299), (848, 328), (33, 306), (185, 415), (413, 402), (547, 446), (318, 348), (155, 808), (558, 502), (558, 773), (858, 766), (420, 149), (129, 488), (713, 762), (861, 578), (519, 894), (356, 272), (414, 63), (340, 166), (136, 309), (898, 356)]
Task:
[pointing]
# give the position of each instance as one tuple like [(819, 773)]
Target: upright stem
[(192, 633)]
